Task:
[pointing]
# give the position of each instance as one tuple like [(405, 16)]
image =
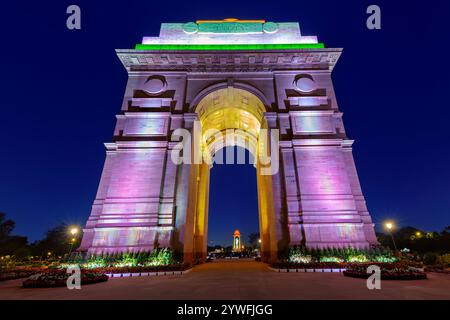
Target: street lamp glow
[(389, 225), (259, 240), (74, 231), (418, 234)]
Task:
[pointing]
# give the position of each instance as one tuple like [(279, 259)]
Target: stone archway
[(273, 77), (231, 117)]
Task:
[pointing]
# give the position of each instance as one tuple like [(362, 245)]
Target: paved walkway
[(239, 280)]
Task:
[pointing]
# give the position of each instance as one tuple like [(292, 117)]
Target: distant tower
[(237, 241)]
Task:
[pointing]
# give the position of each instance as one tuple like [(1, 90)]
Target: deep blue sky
[(61, 90), (233, 202)]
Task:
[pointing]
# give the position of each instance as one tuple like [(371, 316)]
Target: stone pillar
[(330, 217), (293, 206), (166, 209), (88, 231), (201, 221), (361, 207), (265, 213), (129, 216), (133, 208), (186, 199), (274, 194)]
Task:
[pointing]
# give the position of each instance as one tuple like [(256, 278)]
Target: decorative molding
[(229, 61), (233, 84), (308, 101), (151, 102)]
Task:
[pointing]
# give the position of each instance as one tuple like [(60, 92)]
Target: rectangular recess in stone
[(151, 102)]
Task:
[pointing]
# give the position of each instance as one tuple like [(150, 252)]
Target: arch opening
[(232, 117), (233, 204)]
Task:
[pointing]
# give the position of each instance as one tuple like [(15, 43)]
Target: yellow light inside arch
[(237, 114), (230, 109)]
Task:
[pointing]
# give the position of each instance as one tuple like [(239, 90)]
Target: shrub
[(357, 258), (7, 262), (430, 258), (389, 271), (299, 255), (331, 259), (127, 260), (94, 262), (157, 257), (160, 257), (385, 258), (340, 255), (444, 260), (58, 278)]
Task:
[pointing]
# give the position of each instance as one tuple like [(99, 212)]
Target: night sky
[(61, 90)]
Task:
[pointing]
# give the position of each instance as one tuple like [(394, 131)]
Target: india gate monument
[(270, 89)]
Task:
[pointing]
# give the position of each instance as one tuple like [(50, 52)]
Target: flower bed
[(301, 254), (58, 278), (156, 258), (389, 271), (18, 273), (342, 265), (140, 269)]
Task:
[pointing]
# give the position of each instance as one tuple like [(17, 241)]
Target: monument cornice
[(318, 142), (229, 61)]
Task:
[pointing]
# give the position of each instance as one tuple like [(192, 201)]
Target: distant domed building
[(237, 245)]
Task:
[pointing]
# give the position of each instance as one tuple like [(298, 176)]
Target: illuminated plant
[(340, 255), (127, 260), (357, 258), (331, 259), (299, 255), (160, 257)]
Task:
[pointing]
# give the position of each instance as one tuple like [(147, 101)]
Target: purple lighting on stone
[(144, 199)]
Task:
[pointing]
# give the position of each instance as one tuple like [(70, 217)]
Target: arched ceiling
[(231, 108), (234, 111)]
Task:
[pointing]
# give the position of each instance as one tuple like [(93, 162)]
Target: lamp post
[(389, 226), (73, 231)]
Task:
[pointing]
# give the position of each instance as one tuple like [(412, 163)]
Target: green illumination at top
[(274, 46)]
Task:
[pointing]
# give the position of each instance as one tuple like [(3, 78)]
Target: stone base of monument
[(147, 274), (318, 270)]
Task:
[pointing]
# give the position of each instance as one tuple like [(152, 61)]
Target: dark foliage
[(417, 240)]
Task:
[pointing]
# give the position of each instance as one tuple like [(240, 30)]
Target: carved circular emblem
[(190, 27), (270, 27), (305, 83), (155, 84)]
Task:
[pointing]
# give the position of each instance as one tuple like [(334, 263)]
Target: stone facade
[(145, 200)]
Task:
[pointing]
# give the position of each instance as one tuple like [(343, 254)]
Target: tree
[(253, 239), (15, 246), (56, 241), (11, 245), (417, 240), (6, 227)]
